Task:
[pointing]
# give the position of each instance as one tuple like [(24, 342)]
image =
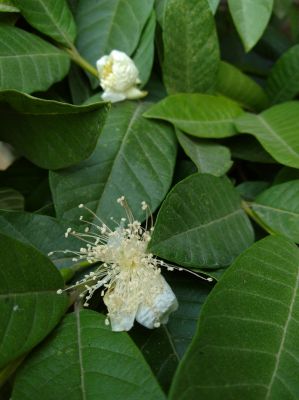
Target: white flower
[(119, 77), (7, 156), (129, 277)]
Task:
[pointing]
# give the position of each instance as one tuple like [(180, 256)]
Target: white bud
[(7, 156), (119, 77)]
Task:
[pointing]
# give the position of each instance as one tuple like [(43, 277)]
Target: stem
[(76, 57), (6, 372), (256, 218)]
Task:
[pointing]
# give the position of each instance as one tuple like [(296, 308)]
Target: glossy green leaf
[(209, 157), (105, 25), (199, 115), (28, 63), (246, 345), (134, 157), (29, 304), (214, 5), (278, 207), (191, 52), (201, 224), (84, 359), (283, 80), (246, 147), (8, 6), (251, 19), (51, 17), (277, 129), (11, 199), (233, 83), (49, 133), (144, 55), (44, 233)]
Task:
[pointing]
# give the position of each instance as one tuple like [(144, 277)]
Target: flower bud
[(119, 77)]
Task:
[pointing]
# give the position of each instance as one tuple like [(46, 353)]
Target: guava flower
[(119, 77), (7, 156)]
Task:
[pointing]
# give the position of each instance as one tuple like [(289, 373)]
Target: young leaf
[(134, 157), (283, 80), (246, 345), (278, 207), (49, 133), (28, 63), (209, 157), (51, 17), (29, 304), (191, 52), (277, 129), (199, 115), (201, 224), (251, 19), (84, 359)]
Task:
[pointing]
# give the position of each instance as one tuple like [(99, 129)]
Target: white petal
[(120, 56), (121, 319), (101, 63), (134, 93), (163, 304), (7, 156), (109, 95)]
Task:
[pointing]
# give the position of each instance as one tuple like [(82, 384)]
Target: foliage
[(213, 149)]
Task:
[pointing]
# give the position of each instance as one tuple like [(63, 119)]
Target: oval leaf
[(51, 17), (246, 346), (49, 133), (11, 199), (277, 129), (134, 157), (21, 51), (209, 157), (278, 207), (251, 19), (283, 80), (29, 304), (199, 115), (201, 224), (191, 52), (84, 359)]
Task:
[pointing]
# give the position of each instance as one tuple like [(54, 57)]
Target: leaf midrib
[(281, 346)]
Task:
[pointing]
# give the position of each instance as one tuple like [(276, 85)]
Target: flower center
[(107, 69)]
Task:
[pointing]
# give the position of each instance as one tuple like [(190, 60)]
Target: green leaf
[(10, 199), (84, 359), (51, 17), (191, 51), (249, 190), (107, 25), (134, 157), (44, 233), (286, 174), (8, 6), (277, 129), (281, 7), (251, 19), (246, 147), (209, 157), (278, 207), (246, 345), (29, 304), (28, 63), (233, 83), (214, 5), (282, 84), (199, 115), (144, 55), (201, 224), (49, 133)]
